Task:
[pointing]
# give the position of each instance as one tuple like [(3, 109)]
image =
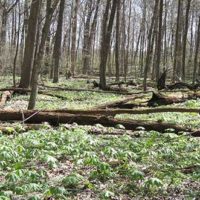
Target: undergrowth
[(63, 164)]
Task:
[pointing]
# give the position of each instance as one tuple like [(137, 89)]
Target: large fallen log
[(159, 99), (182, 85), (113, 112), (120, 103), (108, 91), (26, 91), (56, 118)]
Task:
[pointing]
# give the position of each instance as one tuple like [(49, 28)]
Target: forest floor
[(76, 162)]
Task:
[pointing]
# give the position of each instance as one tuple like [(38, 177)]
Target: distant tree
[(185, 33), (107, 25), (196, 52), (74, 37), (159, 41), (149, 46), (117, 42), (89, 32), (178, 44)]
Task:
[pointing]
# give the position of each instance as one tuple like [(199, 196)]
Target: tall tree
[(57, 45), (185, 33), (117, 42), (159, 41), (50, 8), (30, 45), (107, 25), (178, 45), (89, 33), (149, 46), (196, 52), (74, 37)]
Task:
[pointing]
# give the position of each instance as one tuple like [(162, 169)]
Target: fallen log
[(159, 99), (108, 91), (55, 118), (195, 134), (26, 91), (182, 85), (119, 103), (113, 112)]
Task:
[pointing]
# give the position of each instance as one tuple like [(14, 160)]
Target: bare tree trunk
[(185, 37), (117, 42), (159, 41), (148, 58), (196, 53), (74, 32), (178, 50), (105, 41), (30, 45), (126, 61), (49, 14), (85, 51), (57, 45), (17, 49)]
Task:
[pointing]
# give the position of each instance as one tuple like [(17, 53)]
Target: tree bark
[(37, 66), (148, 57), (30, 45), (117, 42), (196, 53), (185, 37), (57, 45), (74, 33), (107, 26), (54, 118), (177, 49), (159, 41)]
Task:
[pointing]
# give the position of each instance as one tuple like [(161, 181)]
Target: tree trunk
[(49, 14), (196, 52), (86, 44), (74, 33), (185, 38), (177, 49), (159, 42), (30, 45), (57, 45), (105, 41), (117, 42), (148, 57), (55, 118)]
